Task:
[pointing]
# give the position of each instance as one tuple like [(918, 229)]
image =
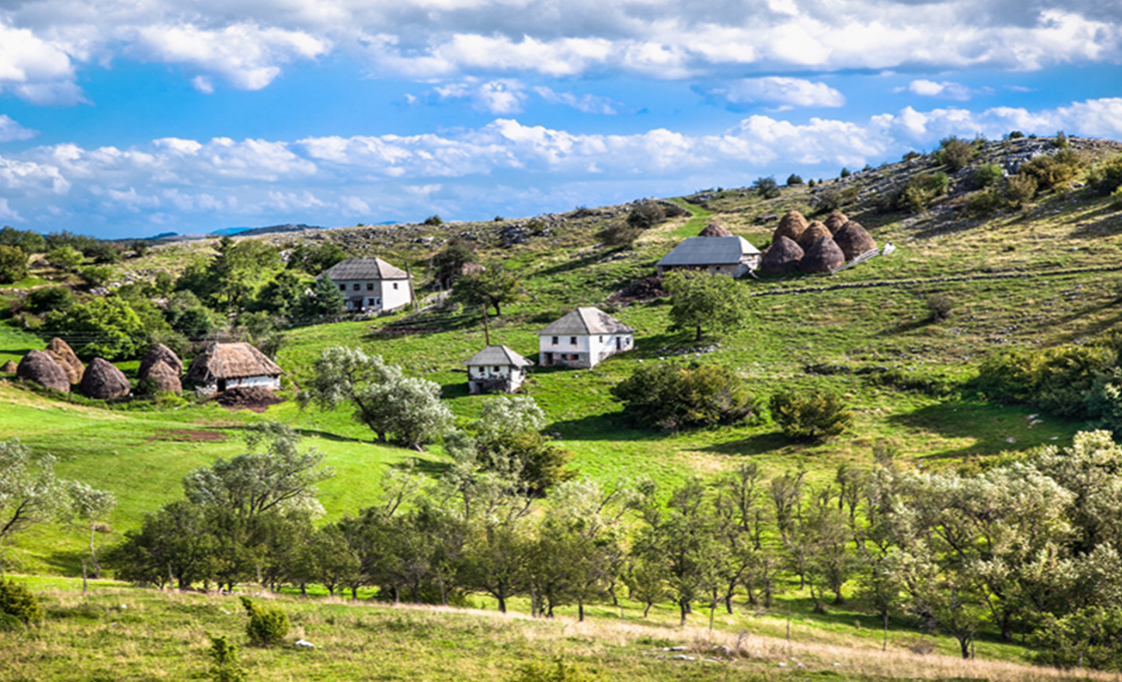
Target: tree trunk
[(502, 604), (93, 555), (684, 606), (964, 645), (698, 337), (647, 609), (580, 610)]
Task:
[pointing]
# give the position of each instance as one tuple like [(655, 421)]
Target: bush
[(1089, 638), (13, 264), (921, 190), (1015, 135), (766, 187), (646, 215), (225, 657), (817, 415), (1054, 170), (557, 671), (433, 220), (985, 202), (670, 396), (793, 180), (28, 240), (987, 174), (18, 602), (1106, 177), (940, 306), (65, 257), (267, 625), (96, 275), (1019, 189), (844, 173), (51, 298), (955, 154), (102, 252), (619, 234)]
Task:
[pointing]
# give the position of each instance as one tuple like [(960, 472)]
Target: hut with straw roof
[(222, 366), (813, 232), (822, 256), (39, 367), (791, 225), (9, 367), (103, 381), (64, 356), (496, 369), (162, 378), (854, 240), (714, 230), (159, 353), (835, 220), (782, 257)]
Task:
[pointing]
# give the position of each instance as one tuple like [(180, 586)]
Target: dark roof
[(698, 251), (584, 321), (363, 268), (497, 356)]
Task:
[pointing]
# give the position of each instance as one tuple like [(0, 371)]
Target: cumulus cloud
[(785, 93), (501, 97), (943, 90), (589, 104), (10, 130)]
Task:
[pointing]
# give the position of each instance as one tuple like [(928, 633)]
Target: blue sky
[(125, 118)]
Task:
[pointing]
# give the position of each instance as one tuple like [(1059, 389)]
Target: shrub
[(556, 671), (433, 220), (51, 298), (96, 275), (793, 180), (102, 252), (670, 396), (65, 257), (225, 657), (955, 154), (1015, 135), (1019, 189), (940, 306), (985, 202), (18, 602), (267, 625), (1116, 196), (13, 264), (766, 187), (28, 240), (1089, 637), (844, 173), (646, 215), (1060, 141), (1053, 170), (619, 234), (817, 415), (921, 190), (987, 174), (1106, 177)]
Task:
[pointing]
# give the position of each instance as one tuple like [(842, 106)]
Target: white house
[(222, 366), (496, 369), (371, 284), (722, 255), (583, 338)]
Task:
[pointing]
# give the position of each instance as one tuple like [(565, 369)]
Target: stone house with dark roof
[(583, 338), (496, 369), (720, 255), (371, 284)]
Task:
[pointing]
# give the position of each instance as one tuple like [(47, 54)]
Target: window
[(555, 340), (395, 286), (572, 340), (342, 287), (370, 286), (357, 286), (495, 370), (601, 339)]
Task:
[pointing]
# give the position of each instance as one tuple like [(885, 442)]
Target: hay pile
[(835, 220), (854, 240), (645, 289), (159, 353), (103, 381), (791, 225), (822, 256), (64, 357), (782, 257), (255, 398), (9, 367), (163, 378), (813, 233), (714, 230), (39, 367)]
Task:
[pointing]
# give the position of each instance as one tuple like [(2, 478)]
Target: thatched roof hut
[(164, 378), (9, 367), (103, 381), (64, 356), (39, 367), (791, 225), (782, 257), (854, 240), (159, 353), (822, 256), (714, 230), (227, 365), (835, 220), (813, 233)]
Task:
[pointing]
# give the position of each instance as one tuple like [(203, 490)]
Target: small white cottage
[(496, 369), (222, 366), (583, 338), (720, 255), (370, 284)]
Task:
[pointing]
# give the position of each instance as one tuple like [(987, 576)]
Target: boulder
[(103, 381), (63, 355), (39, 367)]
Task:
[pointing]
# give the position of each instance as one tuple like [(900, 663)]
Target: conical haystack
[(791, 225), (63, 355), (159, 353), (782, 257), (835, 220), (9, 367), (822, 256), (854, 240), (39, 367), (813, 233), (103, 381), (164, 378), (714, 230)]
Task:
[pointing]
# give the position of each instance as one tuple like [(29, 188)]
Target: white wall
[(596, 347), (383, 291)]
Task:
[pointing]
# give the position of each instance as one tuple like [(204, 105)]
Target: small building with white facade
[(496, 369), (583, 338), (371, 284), (222, 366), (719, 255)]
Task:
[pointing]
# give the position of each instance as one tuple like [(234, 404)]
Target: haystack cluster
[(58, 368), (815, 246)]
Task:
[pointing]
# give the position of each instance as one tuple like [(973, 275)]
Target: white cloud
[(6, 212), (785, 93), (944, 90), (10, 130), (501, 97), (589, 104)]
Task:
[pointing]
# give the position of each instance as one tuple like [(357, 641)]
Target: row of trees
[(1026, 547)]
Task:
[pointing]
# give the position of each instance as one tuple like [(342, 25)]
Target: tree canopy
[(706, 301)]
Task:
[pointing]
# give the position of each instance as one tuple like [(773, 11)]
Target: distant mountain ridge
[(248, 231)]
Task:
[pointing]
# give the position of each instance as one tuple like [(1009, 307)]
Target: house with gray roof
[(371, 284), (720, 255), (496, 369), (583, 338)]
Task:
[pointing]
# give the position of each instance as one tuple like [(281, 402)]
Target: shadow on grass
[(1107, 222), (771, 442), (603, 427)]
